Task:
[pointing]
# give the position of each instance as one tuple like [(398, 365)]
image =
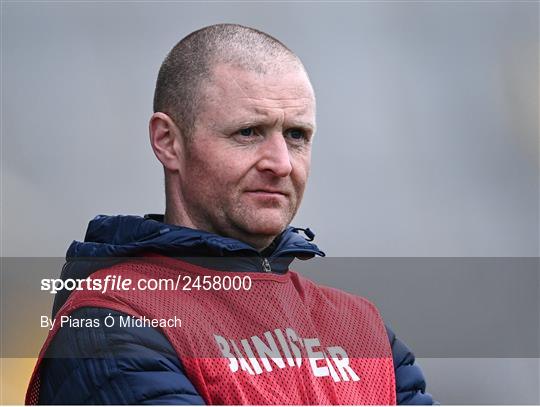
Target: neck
[(176, 215)]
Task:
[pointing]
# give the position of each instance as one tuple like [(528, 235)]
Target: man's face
[(246, 166)]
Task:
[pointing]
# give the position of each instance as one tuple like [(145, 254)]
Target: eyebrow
[(252, 122), (308, 125)]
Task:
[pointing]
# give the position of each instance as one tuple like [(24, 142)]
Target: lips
[(268, 196), (268, 191)]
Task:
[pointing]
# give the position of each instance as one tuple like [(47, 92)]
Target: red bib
[(285, 340)]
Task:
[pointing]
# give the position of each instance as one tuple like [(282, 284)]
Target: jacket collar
[(109, 239), (125, 236)]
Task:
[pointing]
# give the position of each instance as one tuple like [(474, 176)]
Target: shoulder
[(113, 365), (410, 380)]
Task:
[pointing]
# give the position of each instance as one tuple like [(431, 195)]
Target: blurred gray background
[(427, 142)]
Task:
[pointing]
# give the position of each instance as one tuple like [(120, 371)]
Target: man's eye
[(246, 132), (297, 134)]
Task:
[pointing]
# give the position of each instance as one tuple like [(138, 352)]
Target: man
[(233, 124)]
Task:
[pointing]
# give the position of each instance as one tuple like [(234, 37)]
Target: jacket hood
[(109, 239), (124, 236)]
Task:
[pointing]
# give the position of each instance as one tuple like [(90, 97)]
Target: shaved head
[(234, 116), (190, 64)]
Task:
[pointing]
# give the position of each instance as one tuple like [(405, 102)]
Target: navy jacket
[(138, 365)]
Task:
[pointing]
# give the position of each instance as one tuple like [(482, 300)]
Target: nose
[(275, 156)]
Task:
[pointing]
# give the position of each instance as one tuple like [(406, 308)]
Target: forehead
[(233, 90)]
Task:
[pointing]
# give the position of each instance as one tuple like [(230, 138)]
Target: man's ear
[(166, 140)]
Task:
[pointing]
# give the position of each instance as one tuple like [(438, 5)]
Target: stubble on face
[(249, 187)]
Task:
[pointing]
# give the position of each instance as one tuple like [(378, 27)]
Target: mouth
[(267, 192)]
